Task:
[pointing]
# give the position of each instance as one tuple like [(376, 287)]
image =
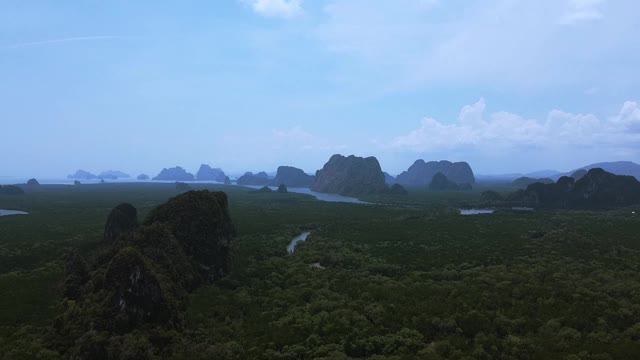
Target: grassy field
[(404, 280)]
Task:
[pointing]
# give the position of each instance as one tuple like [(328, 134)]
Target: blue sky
[(508, 85)]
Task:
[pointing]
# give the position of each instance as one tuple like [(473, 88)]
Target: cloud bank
[(276, 8), (503, 131)]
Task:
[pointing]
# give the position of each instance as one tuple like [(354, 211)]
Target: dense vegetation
[(410, 279)]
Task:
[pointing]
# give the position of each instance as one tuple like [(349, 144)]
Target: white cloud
[(503, 131), (276, 8), (581, 11), (472, 114), (629, 118)]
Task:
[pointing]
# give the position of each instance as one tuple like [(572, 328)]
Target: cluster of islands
[(591, 186)]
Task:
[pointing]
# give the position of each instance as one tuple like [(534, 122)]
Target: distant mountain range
[(615, 167)]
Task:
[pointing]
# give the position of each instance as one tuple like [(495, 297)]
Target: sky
[(248, 85)]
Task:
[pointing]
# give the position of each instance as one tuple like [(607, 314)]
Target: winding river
[(296, 240), (476, 211), (12, 212), (317, 195)]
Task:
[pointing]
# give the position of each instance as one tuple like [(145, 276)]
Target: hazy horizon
[(234, 173), (248, 85)]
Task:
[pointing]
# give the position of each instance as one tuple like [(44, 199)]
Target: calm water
[(475, 211), (296, 240), (12, 212), (317, 195)]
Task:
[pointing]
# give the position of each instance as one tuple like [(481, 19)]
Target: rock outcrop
[(174, 174), (251, 179), (597, 189), (33, 182), (388, 179), (113, 175), (143, 177), (350, 176), (579, 174), (441, 183), (292, 177), (397, 189), (207, 173), (140, 282), (262, 190), (525, 181), (200, 221), (82, 175), (282, 189), (122, 219), (421, 173)]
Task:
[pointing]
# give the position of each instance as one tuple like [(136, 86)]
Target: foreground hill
[(140, 281), (350, 175), (421, 173)]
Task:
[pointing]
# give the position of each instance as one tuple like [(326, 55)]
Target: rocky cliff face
[(207, 173), (441, 183), (350, 176), (122, 219), (421, 173), (397, 189), (200, 221), (174, 174), (597, 189), (292, 177), (526, 181), (389, 179), (578, 174), (140, 282), (249, 178)]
